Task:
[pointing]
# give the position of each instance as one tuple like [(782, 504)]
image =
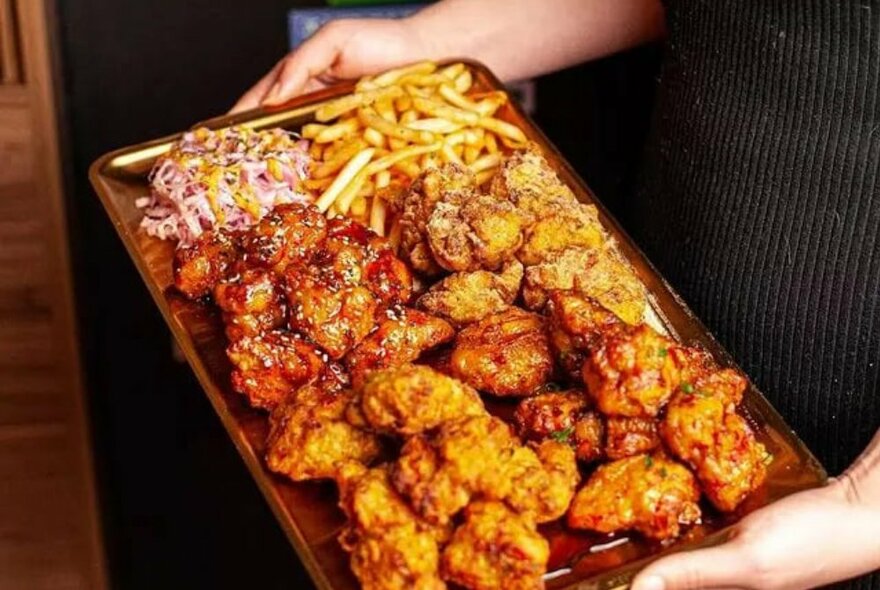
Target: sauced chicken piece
[(351, 277), (625, 437), (538, 481), (632, 372), (646, 493), (526, 180), (252, 302), (576, 325), (466, 297), (400, 338), (562, 417), (573, 225), (470, 231), (309, 438), (551, 414), (270, 367), (598, 273), (496, 548), (418, 205), (506, 354), (391, 547), (702, 429), (411, 399), (199, 267), (286, 235)]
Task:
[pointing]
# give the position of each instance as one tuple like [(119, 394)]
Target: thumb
[(313, 58), (722, 566)]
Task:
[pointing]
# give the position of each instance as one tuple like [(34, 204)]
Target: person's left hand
[(806, 540)]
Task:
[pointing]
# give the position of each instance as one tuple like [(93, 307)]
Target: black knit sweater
[(760, 201)]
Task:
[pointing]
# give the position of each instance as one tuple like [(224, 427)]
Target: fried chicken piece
[(551, 414), (440, 471), (538, 481), (286, 235), (506, 354), (466, 297), (632, 373), (702, 429), (310, 439), (577, 324), (598, 273), (411, 399), (252, 302), (625, 437), (400, 338), (647, 493), (352, 276), (526, 180), (199, 267), (469, 231), (418, 205), (270, 367), (573, 225), (496, 548)]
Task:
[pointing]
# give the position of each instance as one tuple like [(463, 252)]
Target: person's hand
[(806, 540), (340, 50)]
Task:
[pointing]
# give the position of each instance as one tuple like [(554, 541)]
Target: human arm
[(515, 38), (806, 540)]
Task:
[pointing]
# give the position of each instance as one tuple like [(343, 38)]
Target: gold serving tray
[(308, 511)]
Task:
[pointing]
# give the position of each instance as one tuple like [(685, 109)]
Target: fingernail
[(649, 583), (273, 93)]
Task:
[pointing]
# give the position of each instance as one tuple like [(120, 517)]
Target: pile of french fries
[(394, 126)]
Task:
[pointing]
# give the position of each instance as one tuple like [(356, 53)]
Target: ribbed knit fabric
[(760, 201)]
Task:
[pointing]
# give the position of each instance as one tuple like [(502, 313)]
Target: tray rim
[(304, 104)]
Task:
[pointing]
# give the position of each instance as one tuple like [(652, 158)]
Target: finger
[(314, 57), (718, 567), (253, 97)]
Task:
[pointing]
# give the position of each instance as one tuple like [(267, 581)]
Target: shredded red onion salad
[(223, 179)]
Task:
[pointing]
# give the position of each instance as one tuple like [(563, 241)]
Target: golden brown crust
[(466, 297)]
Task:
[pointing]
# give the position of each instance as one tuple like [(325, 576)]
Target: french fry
[(438, 109), (423, 80), (316, 151), (385, 108), (391, 76), (383, 179), (453, 97), (427, 161), (486, 175), (317, 184), (399, 156), (408, 168), (434, 125), (350, 192), (502, 129), (396, 144), (340, 158), (403, 103), (471, 153), (417, 91), (408, 117), (359, 206), (344, 178), (346, 104), (342, 129), (491, 143), (457, 138), (472, 137), (463, 82), (374, 138), (369, 118), (448, 153), (394, 235), (452, 71), (488, 106), (377, 215), (311, 130), (486, 162)]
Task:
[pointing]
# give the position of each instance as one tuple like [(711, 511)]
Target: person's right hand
[(340, 50)]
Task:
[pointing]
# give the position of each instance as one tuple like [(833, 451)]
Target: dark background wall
[(178, 506)]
